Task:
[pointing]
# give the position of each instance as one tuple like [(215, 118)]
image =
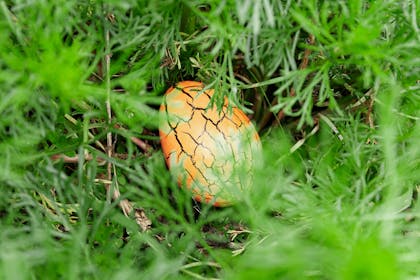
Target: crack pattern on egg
[(212, 152)]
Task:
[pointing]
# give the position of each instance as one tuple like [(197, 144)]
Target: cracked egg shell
[(211, 152)]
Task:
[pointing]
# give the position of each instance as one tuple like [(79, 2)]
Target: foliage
[(332, 86)]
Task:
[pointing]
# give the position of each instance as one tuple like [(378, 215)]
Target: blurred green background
[(332, 86)]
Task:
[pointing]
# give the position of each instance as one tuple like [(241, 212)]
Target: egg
[(210, 151)]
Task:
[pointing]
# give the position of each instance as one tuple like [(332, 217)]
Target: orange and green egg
[(211, 151)]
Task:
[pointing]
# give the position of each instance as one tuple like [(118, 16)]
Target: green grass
[(332, 86)]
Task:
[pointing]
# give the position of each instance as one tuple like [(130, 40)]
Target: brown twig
[(87, 157), (68, 159), (303, 65), (257, 96), (302, 141), (307, 53), (332, 126), (369, 117), (367, 99), (141, 144), (109, 146), (124, 204)]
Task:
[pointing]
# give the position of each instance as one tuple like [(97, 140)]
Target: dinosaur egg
[(210, 151)]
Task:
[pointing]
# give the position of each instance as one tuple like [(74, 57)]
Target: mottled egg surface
[(211, 152)]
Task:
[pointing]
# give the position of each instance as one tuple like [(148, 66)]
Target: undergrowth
[(332, 87)]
